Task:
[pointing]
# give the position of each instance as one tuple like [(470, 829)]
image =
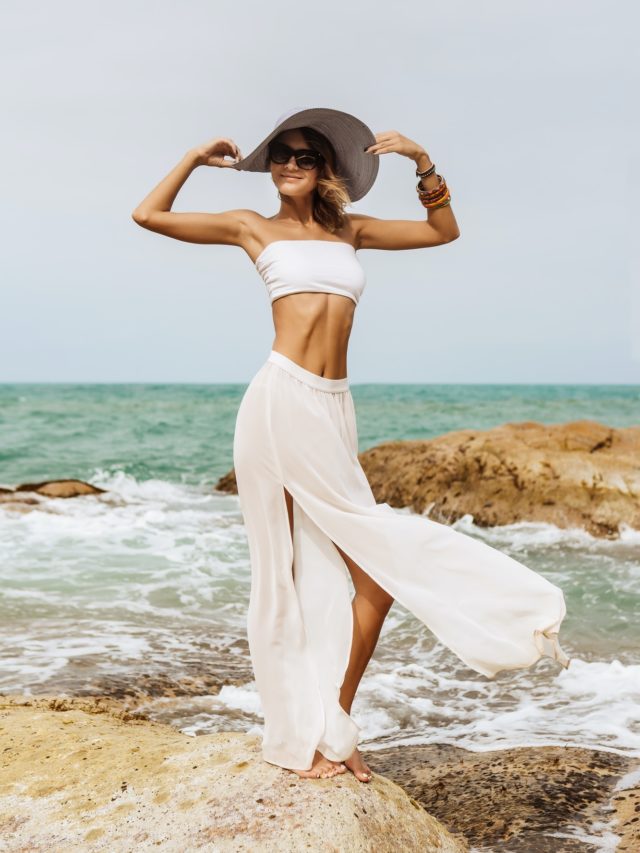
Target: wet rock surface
[(525, 800), (29, 496)]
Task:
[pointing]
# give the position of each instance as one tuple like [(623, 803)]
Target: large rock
[(580, 474), (86, 775), (540, 799)]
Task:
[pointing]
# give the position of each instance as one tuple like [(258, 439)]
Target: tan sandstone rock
[(29, 496), (85, 775)]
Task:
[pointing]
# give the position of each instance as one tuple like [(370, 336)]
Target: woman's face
[(288, 177)]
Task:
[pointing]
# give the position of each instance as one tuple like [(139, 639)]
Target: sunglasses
[(306, 158)]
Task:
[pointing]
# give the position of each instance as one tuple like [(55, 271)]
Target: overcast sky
[(524, 108)]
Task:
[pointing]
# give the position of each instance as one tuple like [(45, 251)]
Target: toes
[(362, 774), (322, 769), (333, 770)]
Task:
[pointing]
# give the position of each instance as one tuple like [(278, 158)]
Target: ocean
[(143, 590)]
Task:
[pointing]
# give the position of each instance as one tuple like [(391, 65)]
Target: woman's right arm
[(154, 212)]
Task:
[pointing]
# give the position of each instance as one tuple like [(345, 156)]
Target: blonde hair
[(330, 196)]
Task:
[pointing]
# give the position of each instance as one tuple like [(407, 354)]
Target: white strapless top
[(311, 266)]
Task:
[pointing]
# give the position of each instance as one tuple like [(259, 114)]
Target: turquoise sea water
[(150, 581), (184, 433)]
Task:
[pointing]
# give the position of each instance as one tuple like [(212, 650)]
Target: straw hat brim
[(348, 135)]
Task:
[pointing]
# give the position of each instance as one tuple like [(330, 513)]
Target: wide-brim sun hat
[(348, 135)]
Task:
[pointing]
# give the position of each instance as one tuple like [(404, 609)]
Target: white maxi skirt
[(297, 430)]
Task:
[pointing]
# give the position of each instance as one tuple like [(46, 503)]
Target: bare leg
[(370, 606)]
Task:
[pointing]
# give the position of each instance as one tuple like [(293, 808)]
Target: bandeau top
[(311, 266)]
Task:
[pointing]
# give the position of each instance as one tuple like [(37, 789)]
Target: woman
[(310, 515)]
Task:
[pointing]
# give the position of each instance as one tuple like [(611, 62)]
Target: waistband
[(323, 383)]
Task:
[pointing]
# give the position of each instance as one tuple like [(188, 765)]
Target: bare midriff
[(313, 329)]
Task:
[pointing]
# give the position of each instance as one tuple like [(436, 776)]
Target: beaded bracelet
[(426, 174)]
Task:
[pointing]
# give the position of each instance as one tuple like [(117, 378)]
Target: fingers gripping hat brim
[(348, 135)]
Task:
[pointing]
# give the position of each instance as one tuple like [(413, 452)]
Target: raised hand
[(213, 153), (391, 140)]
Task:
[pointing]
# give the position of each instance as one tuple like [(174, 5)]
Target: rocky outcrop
[(28, 496), (82, 774), (543, 799), (580, 474)]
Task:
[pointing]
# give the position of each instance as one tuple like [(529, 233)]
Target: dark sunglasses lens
[(280, 153), (307, 161)]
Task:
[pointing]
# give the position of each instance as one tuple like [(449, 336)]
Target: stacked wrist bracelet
[(438, 196)]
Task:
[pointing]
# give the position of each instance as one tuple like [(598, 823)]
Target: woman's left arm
[(440, 225)]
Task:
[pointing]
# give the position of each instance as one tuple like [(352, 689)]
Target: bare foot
[(322, 768), (358, 766)]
